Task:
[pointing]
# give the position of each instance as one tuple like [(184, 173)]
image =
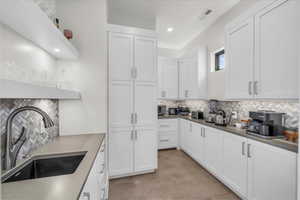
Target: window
[(220, 60)]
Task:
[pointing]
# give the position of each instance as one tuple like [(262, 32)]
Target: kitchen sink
[(47, 166)]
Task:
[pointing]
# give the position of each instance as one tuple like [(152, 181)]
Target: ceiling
[(182, 15)]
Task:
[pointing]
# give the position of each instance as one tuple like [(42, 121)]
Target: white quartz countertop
[(65, 187)]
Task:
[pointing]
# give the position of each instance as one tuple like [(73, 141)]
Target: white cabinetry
[(193, 76), (234, 162), (271, 172), (167, 78), (261, 52), (132, 101), (252, 169), (167, 133), (276, 69), (96, 186)]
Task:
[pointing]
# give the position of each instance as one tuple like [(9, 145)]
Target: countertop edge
[(240, 132)]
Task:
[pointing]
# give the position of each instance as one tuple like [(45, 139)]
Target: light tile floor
[(178, 178)]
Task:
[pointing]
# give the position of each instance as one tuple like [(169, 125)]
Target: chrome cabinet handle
[(248, 150), (131, 136), (164, 126), (132, 118), (204, 134), (186, 93), (135, 118), (133, 73), (201, 132), (243, 148), (163, 94), (166, 140), (250, 88), (255, 87), (87, 195), (136, 135)]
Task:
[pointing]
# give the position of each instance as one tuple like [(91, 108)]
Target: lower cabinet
[(271, 172), (132, 151), (96, 186), (253, 170), (234, 163), (167, 133)]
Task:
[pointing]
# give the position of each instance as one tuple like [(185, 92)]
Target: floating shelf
[(18, 90), (26, 18)]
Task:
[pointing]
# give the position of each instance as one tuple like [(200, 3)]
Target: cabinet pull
[(250, 88), (133, 72), (163, 94), (132, 118), (186, 94), (135, 135), (135, 118), (248, 150), (204, 134), (87, 195), (164, 126), (166, 140), (255, 87), (243, 148), (102, 168), (191, 127), (131, 136), (201, 132)]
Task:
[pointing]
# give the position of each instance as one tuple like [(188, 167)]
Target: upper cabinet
[(262, 54), (167, 78), (27, 19), (193, 76)]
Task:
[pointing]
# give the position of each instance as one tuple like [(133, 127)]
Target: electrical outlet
[(234, 115)]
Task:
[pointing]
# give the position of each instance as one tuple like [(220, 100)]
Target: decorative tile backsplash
[(291, 109), (36, 134)]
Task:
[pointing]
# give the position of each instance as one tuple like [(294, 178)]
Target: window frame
[(217, 55)]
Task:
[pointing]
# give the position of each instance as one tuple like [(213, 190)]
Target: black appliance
[(184, 111), (173, 111), (266, 124), (161, 110), (197, 115)]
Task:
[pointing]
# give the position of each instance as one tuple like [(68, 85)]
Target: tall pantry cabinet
[(132, 101)]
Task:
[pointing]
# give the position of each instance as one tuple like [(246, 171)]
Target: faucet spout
[(12, 149)]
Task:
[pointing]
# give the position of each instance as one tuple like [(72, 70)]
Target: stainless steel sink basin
[(47, 166)]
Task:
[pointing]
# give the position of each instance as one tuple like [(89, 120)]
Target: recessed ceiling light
[(170, 29), (57, 50)]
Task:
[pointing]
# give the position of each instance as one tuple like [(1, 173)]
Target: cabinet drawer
[(167, 125), (167, 141)]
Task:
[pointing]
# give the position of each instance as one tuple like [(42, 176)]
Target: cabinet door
[(202, 78), (145, 104), (276, 68), (120, 56), (145, 149), (240, 60), (213, 149), (183, 134), (170, 77), (120, 104), (235, 163), (188, 79), (145, 54), (196, 142), (120, 152), (161, 87), (271, 172)]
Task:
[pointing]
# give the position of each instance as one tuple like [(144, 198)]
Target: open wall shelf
[(10, 89), (26, 18)]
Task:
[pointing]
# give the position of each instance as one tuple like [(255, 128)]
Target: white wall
[(87, 19), (22, 60), (214, 38), (133, 13), (170, 53)]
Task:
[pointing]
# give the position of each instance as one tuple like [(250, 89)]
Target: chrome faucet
[(13, 148)]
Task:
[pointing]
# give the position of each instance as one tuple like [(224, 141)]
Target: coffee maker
[(266, 124)]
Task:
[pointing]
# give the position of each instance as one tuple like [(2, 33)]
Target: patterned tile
[(36, 134), (243, 107)]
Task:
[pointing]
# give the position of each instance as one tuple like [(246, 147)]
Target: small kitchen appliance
[(173, 111), (184, 111), (197, 115), (220, 119), (161, 110), (266, 124)]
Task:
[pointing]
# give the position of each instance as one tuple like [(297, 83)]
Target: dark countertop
[(281, 143), (64, 187)]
